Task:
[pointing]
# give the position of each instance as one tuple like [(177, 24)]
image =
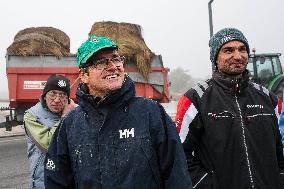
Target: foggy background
[(176, 29)]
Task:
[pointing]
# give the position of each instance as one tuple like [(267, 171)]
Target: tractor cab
[(266, 70)]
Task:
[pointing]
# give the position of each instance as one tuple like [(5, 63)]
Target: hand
[(69, 107)]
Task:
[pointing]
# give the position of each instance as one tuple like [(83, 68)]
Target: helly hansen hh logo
[(50, 165), (61, 83), (126, 133)]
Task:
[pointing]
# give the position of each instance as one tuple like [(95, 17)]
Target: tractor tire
[(278, 91)]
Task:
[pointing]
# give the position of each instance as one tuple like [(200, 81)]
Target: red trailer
[(27, 76)]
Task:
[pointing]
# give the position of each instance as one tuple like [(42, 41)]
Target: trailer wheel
[(8, 124)]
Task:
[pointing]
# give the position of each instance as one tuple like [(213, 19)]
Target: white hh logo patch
[(50, 165), (61, 83), (126, 133)]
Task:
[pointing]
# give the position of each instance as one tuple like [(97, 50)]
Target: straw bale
[(57, 35), (34, 44), (130, 41)]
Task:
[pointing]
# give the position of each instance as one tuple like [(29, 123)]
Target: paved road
[(13, 163)]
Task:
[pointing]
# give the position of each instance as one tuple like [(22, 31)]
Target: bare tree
[(181, 81)]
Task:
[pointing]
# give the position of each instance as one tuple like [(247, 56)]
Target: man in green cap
[(113, 139)]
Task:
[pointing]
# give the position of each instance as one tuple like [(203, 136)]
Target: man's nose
[(57, 98), (110, 65), (237, 55)]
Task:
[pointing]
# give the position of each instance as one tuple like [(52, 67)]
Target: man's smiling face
[(232, 58), (101, 78)]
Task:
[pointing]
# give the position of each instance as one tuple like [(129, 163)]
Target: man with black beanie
[(41, 121), (229, 125)]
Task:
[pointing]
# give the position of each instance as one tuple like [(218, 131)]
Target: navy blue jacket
[(121, 141)]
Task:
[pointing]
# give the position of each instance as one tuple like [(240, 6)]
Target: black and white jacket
[(229, 129)]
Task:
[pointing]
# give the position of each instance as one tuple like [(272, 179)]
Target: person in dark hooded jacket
[(113, 139), (229, 125)]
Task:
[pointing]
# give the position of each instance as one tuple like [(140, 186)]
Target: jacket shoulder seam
[(201, 87), (260, 88)]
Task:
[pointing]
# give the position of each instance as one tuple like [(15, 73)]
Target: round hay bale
[(57, 35), (34, 44), (130, 41)]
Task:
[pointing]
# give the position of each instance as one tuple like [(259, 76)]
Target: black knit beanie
[(57, 82)]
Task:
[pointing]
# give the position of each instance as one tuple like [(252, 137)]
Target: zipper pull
[(237, 88)]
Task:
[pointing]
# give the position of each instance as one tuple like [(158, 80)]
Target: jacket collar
[(114, 99), (231, 84)]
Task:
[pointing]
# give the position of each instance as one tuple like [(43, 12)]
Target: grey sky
[(176, 29)]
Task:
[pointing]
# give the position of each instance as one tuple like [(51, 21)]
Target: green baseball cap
[(91, 46)]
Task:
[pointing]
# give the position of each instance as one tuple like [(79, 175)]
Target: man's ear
[(84, 75), (216, 65)]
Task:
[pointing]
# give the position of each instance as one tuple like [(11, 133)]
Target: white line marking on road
[(12, 140)]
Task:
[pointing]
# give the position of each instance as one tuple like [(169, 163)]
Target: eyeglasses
[(102, 63), (54, 94)]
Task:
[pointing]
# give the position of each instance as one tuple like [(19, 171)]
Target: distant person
[(281, 122), (113, 139), (229, 125), (40, 122)]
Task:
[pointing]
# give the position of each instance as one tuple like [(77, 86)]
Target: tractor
[(266, 70)]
